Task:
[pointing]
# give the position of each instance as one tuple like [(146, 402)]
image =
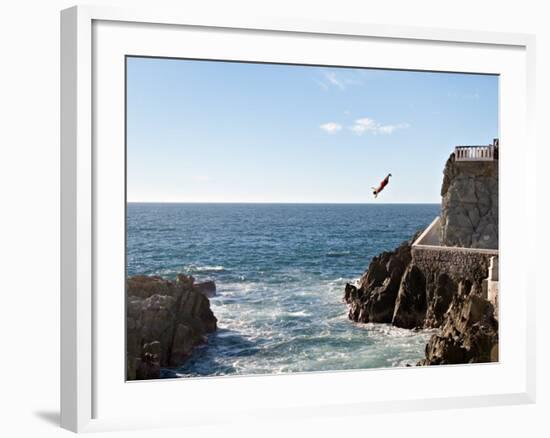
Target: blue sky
[(205, 131)]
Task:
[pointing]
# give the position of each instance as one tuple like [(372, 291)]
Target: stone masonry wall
[(458, 264)]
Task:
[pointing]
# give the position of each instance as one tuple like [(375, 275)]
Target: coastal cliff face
[(469, 204), (373, 300), (408, 289), (469, 333), (430, 294), (441, 287), (165, 320)]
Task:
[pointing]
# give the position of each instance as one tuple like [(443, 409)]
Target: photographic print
[(295, 218)]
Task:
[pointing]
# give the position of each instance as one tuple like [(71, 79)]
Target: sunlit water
[(280, 270)]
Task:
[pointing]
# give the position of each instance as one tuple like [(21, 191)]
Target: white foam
[(299, 313), (206, 268)]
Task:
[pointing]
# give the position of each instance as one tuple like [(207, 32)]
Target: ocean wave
[(338, 253), (299, 313), (390, 331), (166, 272), (206, 268)]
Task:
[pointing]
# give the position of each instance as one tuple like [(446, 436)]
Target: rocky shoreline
[(447, 282), (165, 321), (395, 290), (443, 283)]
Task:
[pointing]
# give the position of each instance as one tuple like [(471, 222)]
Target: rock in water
[(207, 288), (411, 304), (373, 300), (469, 333), (165, 320), (396, 290)]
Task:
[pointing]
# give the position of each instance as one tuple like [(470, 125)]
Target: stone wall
[(469, 204), (458, 263)]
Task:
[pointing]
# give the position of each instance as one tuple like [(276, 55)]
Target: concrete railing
[(430, 236), (475, 153), (430, 240)]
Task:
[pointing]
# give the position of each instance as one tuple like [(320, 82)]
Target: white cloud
[(366, 124), (333, 79), (388, 129), (331, 127), (339, 80)]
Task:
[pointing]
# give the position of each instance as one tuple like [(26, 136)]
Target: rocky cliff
[(407, 292), (396, 289), (441, 287), (469, 333), (165, 320), (374, 297), (469, 204)]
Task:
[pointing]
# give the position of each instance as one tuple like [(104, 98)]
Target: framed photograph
[(291, 218)]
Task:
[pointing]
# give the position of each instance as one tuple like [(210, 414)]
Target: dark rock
[(440, 291), (207, 288), (374, 298), (158, 317), (143, 286), (165, 320), (397, 289), (469, 333), (182, 345), (148, 368), (411, 304), (430, 289)]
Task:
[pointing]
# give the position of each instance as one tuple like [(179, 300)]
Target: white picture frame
[(93, 39)]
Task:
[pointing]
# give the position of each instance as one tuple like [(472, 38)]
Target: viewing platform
[(477, 152)]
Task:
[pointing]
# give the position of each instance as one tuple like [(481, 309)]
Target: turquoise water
[(280, 270)]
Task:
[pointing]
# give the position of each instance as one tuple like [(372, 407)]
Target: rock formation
[(469, 204), (207, 288), (469, 333), (442, 286), (165, 320), (373, 299), (398, 289)]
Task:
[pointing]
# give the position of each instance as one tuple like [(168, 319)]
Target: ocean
[(280, 271)]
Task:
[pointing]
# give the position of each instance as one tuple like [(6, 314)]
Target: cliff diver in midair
[(383, 184)]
